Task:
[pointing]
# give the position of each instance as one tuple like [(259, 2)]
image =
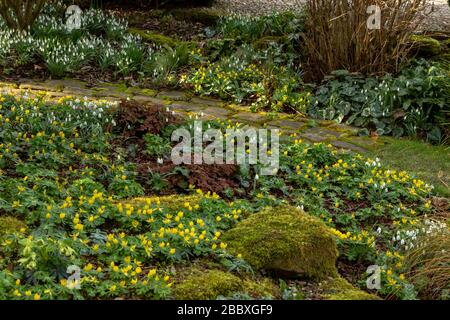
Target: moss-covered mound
[(155, 38), (286, 240), (340, 289), (424, 46), (206, 285), (10, 225), (208, 17)]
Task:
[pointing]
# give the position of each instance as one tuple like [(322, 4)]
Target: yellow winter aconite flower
[(88, 267)]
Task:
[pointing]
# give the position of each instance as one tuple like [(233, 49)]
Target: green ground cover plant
[(77, 200)]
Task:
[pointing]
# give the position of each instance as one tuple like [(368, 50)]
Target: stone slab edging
[(184, 103)]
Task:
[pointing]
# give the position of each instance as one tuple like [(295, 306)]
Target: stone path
[(187, 105)]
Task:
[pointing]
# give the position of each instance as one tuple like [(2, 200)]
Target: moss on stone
[(261, 288), (153, 37), (209, 284), (205, 285), (425, 46), (10, 225), (340, 289), (286, 240), (208, 17), (149, 92)]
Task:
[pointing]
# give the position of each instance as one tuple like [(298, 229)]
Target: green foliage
[(59, 172), (156, 146), (412, 103), (101, 42), (264, 79), (250, 29), (167, 62)]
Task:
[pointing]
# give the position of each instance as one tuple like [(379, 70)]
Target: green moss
[(156, 38), (122, 87), (340, 289), (209, 284), (207, 17), (286, 240), (425, 46), (149, 92), (261, 288), (204, 285), (10, 225)]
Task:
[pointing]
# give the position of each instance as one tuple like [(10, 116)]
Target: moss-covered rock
[(208, 17), (209, 284), (340, 289), (153, 37), (10, 225), (424, 46), (285, 240)]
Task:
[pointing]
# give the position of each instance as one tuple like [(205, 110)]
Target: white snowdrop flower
[(160, 160), (256, 177)]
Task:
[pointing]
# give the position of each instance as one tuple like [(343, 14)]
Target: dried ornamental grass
[(337, 35), (428, 265)]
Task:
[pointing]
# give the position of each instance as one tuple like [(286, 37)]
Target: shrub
[(336, 35), (20, 14)]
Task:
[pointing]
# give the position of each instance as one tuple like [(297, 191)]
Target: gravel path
[(438, 20)]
